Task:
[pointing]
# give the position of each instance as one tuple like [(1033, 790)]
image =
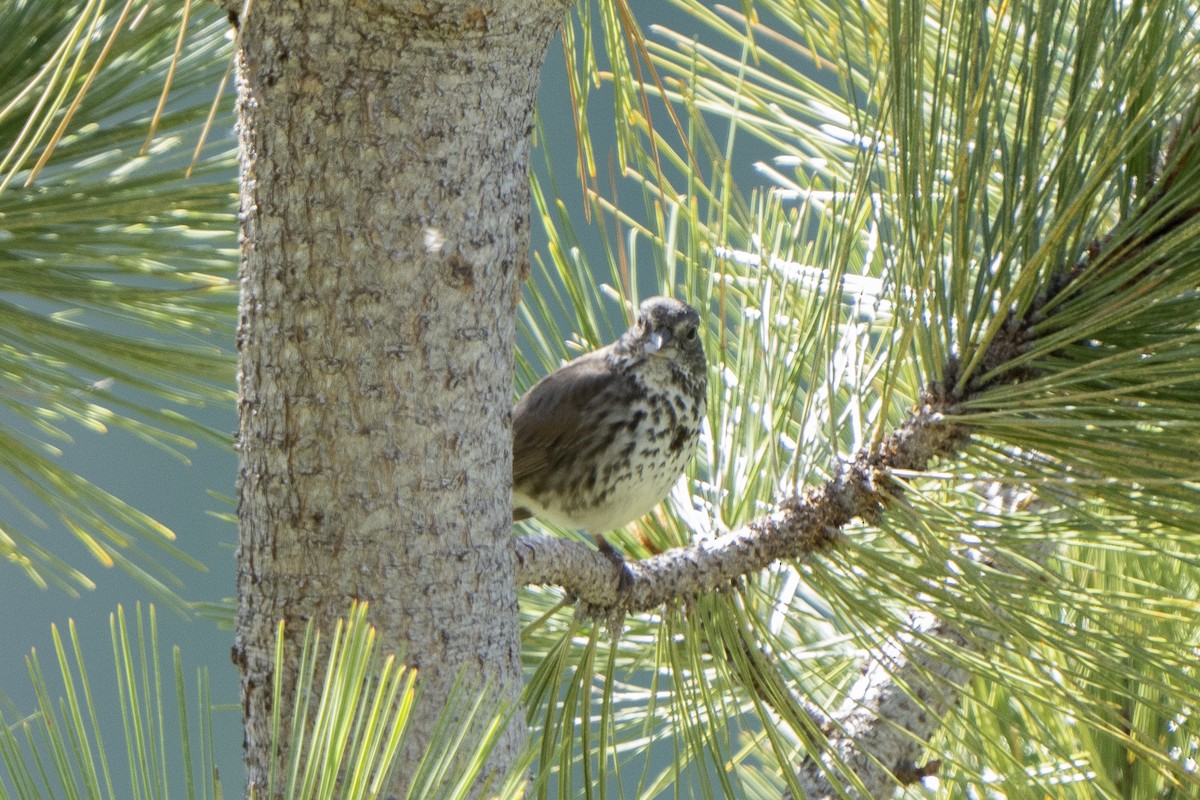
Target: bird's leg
[(625, 580)]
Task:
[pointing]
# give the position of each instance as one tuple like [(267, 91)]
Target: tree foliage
[(116, 278), (975, 217)]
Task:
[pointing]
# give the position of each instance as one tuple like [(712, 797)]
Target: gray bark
[(384, 158)]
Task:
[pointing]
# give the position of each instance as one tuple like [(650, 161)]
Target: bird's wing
[(547, 417)]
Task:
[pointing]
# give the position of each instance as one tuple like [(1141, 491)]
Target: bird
[(600, 441)]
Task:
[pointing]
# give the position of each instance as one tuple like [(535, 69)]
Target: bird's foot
[(625, 578)]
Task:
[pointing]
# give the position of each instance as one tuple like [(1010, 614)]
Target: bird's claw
[(625, 576)]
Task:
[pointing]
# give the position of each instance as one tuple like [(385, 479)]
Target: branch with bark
[(803, 525)]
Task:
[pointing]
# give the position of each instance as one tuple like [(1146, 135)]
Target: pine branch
[(906, 688), (907, 685)]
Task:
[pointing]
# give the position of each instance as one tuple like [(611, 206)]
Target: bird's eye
[(690, 335)]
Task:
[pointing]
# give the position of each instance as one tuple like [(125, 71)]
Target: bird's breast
[(635, 437)]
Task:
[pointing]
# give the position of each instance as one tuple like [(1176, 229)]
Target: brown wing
[(549, 415)]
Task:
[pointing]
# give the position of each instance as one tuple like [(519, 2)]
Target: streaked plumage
[(600, 441)]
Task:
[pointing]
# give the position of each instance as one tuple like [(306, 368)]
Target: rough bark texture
[(385, 230)]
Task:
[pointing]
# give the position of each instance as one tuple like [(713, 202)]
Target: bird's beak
[(656, 342)]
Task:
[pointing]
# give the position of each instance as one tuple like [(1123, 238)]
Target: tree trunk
[(385, 224)]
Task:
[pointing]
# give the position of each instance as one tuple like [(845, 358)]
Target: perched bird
[(601, 440)]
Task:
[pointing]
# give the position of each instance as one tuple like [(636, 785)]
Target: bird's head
[(667, 328)]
